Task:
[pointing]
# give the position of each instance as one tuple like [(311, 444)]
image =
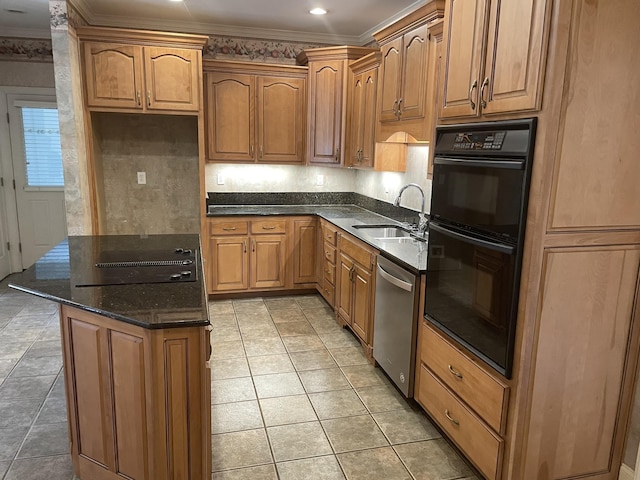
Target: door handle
[(399, 108), (229, 229), (253, 245), (148, 98), (395, 108), (265, 227), (451, 419), (474, 85), (139, 98), (394, 280), (244, 246), (455, 373), (485, 83)]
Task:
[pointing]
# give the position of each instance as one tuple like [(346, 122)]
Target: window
[(43, 155)]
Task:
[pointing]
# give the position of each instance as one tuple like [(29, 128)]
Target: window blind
[(43, 154)]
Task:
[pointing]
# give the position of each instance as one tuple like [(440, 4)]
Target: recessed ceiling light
[(318, 11), (175, 0)]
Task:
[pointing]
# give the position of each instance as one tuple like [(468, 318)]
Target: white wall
[(286, 178), (26, 74)]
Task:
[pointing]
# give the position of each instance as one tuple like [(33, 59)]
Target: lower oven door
[(471, 293)]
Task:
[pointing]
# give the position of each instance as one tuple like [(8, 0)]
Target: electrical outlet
[(319, 180), (220, 179), (142, 178)]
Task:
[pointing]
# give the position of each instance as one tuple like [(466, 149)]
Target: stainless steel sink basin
[(383, 231), (411, 239)]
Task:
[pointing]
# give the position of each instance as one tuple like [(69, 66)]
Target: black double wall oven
[(481, 177)]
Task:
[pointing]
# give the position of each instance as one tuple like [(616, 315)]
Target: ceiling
[(347, 21)]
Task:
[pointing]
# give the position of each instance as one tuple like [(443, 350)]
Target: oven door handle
[(394, 280), (514, 164), (498, 247)]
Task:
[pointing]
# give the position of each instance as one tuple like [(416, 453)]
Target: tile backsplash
[(288, 178)]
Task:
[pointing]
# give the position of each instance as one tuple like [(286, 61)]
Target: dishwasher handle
[(394, 280)]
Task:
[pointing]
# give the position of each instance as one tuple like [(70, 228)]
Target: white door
[(37, 170), (5, 258)]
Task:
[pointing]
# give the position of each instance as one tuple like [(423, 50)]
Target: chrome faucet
[(422, 225)]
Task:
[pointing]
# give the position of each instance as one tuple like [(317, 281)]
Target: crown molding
[(11, 32), (367, 36)]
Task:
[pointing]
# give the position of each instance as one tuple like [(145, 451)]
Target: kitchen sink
[(384, 231), (410, 239)]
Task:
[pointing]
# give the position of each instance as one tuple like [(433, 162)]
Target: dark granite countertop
[(170, 304), (411, 255)]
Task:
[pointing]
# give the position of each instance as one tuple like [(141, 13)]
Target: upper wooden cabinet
[(328, 87), (494, 57), (361, 141), (406, 101), (141, 71), (255, 113)]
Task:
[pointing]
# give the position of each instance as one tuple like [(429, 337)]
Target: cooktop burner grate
[(144, 263)]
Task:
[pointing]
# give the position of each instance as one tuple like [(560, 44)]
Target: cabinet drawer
[(268, 226), (483, 393), (329, 272), (329, 234), (475, 439), (329, 253), (328, 291), (357, 251), (228, 227)]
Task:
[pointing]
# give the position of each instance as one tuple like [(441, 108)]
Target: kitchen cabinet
[(494, 57), (255, 113), (327, 100), (247, 254), (406, 101), (327, 247), (138, 399), (355, 288), (361, 134), (141, 72), (305, 242)]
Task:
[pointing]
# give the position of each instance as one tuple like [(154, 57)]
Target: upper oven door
[(485, 194)]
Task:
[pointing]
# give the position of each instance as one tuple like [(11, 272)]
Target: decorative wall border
[(254, 50), (28, 49)]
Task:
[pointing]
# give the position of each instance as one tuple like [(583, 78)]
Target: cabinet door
[(268, 261), (344, 288), (172, 79), (230, 117), (229, 268), (357, 121), (305, 241), (515, 58), (463, 36), (390, 80), (415, 50), (326, 84), (368, 123), (113, 75), (362, 298), (281, 119)]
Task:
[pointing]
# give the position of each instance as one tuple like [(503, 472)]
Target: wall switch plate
[(319, 180), (142, 178), (220, 179)]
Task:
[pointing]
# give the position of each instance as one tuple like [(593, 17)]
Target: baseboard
[(626, 473)]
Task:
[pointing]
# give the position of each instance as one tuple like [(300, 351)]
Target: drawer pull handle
[(451, 419), (455, 372), (264, 227), (228, 229)]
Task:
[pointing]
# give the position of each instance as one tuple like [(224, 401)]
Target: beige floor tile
[(45, 440), (317, 468), (382, 399), (342, 338), (224, 307), (310, 302), (229, 368), (312, 360), (346, 356), (26, 387), (223, 320), (289, 315), (234, 417), (263, 346), (267, 364), (278, 385), (54, 410), (353, 433), (10, 440), (323, 380), (232, 349), (287, 410), (240, 449), (281, 303), (263, 472), (300, 440), (303, 343), (58, 467), (432, 459), (337, 403), (264, 330), (326, 326), (400, 426), (290, 329), (225, 334), (232, 390), (376, 464), (365, 376)]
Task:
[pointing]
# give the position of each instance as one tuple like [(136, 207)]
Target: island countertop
[(139, 292)]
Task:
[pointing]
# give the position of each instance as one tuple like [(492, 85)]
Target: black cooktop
[(120, 267)]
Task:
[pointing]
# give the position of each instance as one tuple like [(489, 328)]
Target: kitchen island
[(134, 321)]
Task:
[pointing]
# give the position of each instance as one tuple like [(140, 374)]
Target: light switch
[(142, 178), (220, 179), (319, 180)]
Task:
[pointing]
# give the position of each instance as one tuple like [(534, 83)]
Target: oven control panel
[(479, 141)]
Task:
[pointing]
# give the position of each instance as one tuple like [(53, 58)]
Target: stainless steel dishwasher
[(395, 323)]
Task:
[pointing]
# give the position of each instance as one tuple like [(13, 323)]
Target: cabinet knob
[(474, 85)]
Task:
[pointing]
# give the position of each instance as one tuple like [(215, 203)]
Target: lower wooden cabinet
[(355, 288), (327, 261), (261, 253), (138, 400)]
